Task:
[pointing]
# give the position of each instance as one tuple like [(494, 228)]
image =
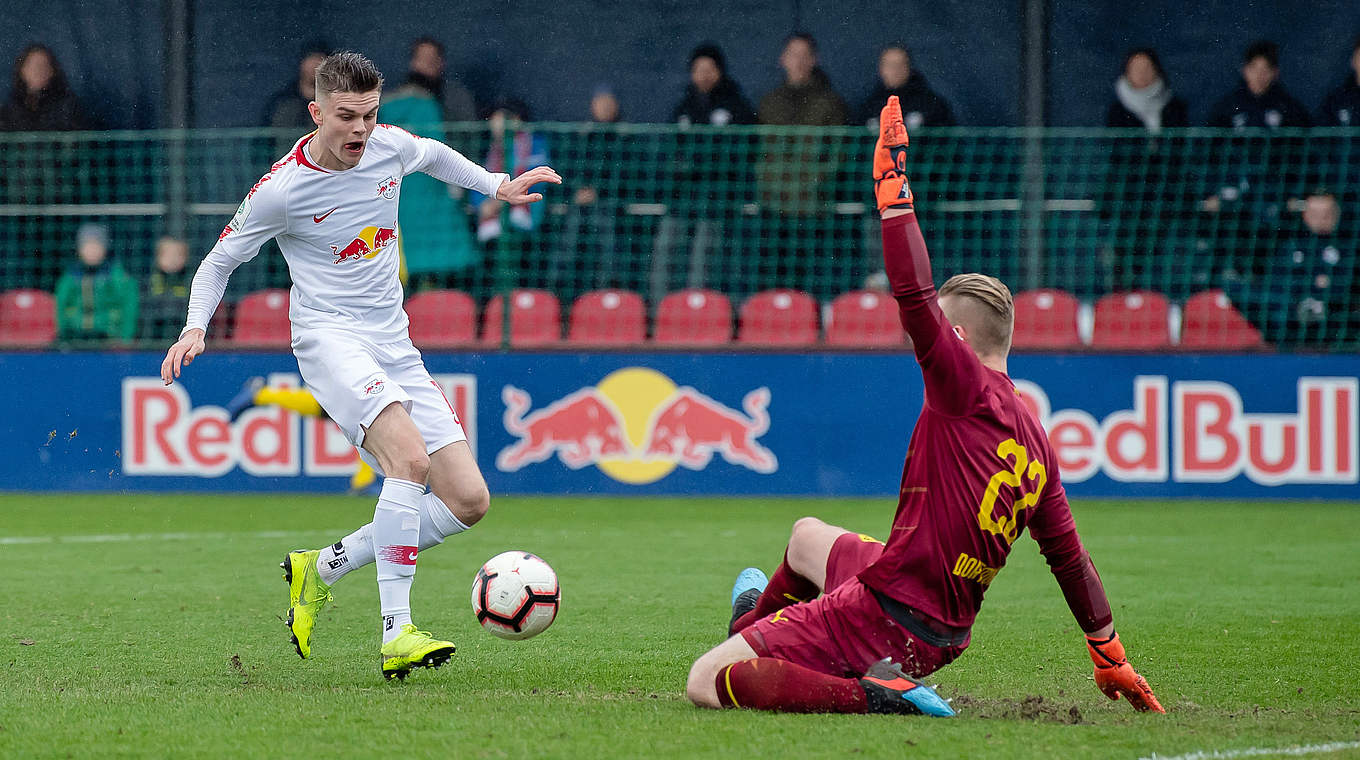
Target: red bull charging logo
[(371, 240), (637, 426)]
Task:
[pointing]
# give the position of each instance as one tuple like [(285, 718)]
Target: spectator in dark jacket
[(288, 107), (806, 98), (1260, 101), (165, 297), (40, 99), (1341, 107), (1305, 293), (426, 77), (1142, 97), (921, 106), (712, 97)]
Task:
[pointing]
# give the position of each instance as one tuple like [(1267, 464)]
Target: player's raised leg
[(800, 576)]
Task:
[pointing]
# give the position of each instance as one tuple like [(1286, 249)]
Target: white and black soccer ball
[(515, 595)]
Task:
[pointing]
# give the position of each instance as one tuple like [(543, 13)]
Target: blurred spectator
[(436, 234), (1306, 293), (288, 107), (1143, 98), (527, 150), (921, 106), (1341, 107), (425, 76), (712, 97), (1260, 101), (588, 253), (40, 98), (165, 298), (96, 299), (806, 98)]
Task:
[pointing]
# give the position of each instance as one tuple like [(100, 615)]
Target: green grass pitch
[(139, 625)]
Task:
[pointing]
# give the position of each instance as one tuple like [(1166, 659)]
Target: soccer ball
[(515, 595)]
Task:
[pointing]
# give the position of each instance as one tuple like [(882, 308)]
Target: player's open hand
[(181, 354), (1115, 676), (516, 191)]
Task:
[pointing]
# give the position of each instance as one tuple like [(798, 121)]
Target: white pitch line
[(124, 537), (1295, 751)]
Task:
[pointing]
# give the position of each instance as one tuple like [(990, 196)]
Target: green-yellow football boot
[(307, 596), (413, 649)]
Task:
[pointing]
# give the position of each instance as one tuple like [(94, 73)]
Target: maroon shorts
[(844, 631)]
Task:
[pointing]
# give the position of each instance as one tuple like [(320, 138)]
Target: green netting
[(656, 208)]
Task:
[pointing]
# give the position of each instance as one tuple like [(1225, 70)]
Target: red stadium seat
[(535, 319), (28, 318), (442, 319), (1046, 319), (262, 320), (694, 318), (1134, 320), (1210, 322), (864, 318), (608, 317), (779, 317)]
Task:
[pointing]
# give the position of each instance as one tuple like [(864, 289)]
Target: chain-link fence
[(1268, 223)]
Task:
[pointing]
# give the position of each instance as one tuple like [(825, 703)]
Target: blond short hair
[(989, 326)]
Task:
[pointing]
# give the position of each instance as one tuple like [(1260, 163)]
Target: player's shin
[(396, 536), (356, 550), (766, 683)]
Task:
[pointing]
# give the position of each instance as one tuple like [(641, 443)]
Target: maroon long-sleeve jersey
[(979, 470)]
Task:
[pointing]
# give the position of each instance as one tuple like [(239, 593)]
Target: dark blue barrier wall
[(814, 424)]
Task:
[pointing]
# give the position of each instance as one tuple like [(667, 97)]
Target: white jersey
[(338, 232)]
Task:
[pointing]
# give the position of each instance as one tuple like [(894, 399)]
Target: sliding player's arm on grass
[(260, 217), (952, 371), (1053, 528)]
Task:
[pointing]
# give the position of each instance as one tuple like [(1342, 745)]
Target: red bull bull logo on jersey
[(369, 243), (637, 426)]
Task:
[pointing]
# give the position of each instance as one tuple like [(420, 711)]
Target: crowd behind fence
[(1264, 224)]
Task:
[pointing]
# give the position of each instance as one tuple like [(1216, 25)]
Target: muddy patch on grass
[(1031, 707)]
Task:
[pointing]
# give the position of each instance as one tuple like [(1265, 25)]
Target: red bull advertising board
[(1272, 426)]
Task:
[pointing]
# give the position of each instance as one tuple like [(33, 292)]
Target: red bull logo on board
[(369, 243), (637, 426)]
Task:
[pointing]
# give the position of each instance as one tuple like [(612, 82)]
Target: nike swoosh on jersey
[(322, 218)]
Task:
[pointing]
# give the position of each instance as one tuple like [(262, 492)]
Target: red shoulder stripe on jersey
[(301, 155), (399, 129)]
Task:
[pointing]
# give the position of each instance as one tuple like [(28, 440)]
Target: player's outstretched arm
[(516, 191), (1115, 676)]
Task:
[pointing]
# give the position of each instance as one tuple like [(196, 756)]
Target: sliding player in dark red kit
[(848, 624)]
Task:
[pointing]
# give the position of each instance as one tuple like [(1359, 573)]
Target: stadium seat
[(535, 319), (262, 320), (864, 318), (694, 318), (1046, 319), (778, 317), (28, 318), (608, 317), (1211, 322), (1135, 320), (442, 319)]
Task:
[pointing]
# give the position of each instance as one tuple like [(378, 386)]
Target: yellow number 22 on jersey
[(1006, 525)]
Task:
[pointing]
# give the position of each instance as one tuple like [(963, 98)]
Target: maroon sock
[(786, 587), (765, 683)]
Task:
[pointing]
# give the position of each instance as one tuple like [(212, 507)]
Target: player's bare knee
[(413, 466), (699, 687), (471, 505), (801, 543)]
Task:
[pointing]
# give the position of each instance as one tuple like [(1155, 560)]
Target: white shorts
[(354, 379)]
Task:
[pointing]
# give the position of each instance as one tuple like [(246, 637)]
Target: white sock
[(356, 550), (349, 553), (396, 536), (436, 522)]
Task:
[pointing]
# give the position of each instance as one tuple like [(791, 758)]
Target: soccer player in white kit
[(331, 204)]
